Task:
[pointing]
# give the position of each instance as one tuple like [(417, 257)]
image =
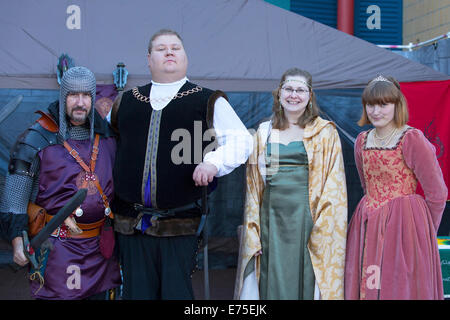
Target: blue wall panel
[(383, 26), (323, 11), (390, 21)]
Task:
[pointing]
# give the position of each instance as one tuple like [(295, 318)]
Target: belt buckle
[(153, 220)]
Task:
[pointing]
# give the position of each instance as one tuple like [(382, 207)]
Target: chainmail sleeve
[(19, 190)]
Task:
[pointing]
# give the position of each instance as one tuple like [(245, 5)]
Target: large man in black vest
[(164, 157)]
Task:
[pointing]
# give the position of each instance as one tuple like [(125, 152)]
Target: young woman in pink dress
[(392, 250)]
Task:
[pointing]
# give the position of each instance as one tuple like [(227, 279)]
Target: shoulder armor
[(28, 144)]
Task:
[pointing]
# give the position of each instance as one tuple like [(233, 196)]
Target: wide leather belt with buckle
[(153, 215)]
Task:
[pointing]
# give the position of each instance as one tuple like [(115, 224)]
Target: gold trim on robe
[(328, 205)]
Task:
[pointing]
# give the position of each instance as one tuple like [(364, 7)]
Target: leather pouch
[(107, 240), (36, 218)]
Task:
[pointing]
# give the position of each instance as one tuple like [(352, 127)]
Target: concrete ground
[(221, 284), (14, 285)]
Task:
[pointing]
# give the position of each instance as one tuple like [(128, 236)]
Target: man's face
[(167, 60), (78, 106)]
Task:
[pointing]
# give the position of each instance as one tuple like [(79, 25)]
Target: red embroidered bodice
[(386, 174)]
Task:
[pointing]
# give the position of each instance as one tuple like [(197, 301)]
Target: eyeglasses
[(300, 91)]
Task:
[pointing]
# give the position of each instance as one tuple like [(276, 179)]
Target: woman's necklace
[(383, 141)]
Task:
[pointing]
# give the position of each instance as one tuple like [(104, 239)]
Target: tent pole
[(345, 16)]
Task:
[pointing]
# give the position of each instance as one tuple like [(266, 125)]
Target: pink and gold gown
[(392, 250)]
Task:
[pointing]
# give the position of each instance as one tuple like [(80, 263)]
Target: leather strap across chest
[(90, 170)]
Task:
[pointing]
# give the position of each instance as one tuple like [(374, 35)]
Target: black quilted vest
[(182, 118)]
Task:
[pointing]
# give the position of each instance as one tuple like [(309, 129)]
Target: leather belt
[(90, 230), (156, 214), (167, 213)]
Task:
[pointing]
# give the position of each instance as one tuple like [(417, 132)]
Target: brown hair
[(279, 120), (379, 92), (162, 32)]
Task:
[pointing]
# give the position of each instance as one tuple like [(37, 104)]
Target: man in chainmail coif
[(69, 148)]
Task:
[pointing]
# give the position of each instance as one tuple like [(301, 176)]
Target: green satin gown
[(286, 224)]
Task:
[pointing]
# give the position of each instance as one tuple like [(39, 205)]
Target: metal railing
[(412, 46)]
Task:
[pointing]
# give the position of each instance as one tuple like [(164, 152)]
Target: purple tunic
[(76, 268)]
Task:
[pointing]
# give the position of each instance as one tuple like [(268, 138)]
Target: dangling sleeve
[(328, 202), (420, 156)]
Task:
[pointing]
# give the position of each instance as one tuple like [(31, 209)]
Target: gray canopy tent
[(240, 46)]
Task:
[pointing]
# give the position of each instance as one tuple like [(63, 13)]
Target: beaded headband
[(296, 80)]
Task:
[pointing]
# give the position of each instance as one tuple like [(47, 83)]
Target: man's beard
[(79, 118)]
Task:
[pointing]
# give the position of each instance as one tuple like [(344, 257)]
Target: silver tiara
[(381, 78)]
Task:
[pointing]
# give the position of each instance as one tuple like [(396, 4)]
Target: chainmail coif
[(75, 80)]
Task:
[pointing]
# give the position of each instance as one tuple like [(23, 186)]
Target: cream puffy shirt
[(234, 141)]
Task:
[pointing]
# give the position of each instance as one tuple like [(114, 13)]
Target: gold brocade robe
[(327, 200)]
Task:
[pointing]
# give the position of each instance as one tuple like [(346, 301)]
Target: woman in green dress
[(293, 240)]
